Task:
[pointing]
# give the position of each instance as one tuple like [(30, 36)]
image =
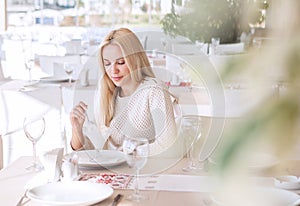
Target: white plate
[(288, 182), (54, 79), (31, 83), (70, 193), (260, 196), (257, 162), (100, 158)]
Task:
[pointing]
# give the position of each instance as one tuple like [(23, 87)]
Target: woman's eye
[(106, 64), (121, 62)]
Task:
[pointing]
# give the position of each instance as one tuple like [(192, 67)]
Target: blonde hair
[(136, 60)]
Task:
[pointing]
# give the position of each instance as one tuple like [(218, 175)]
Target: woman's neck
[(128, 89)]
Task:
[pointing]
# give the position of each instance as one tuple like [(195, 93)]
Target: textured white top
[(147, 113)]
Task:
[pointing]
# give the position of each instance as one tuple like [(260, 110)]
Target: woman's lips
[(117, 78)]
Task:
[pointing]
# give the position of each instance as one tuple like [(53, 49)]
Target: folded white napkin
[(188, 183), (184, 183)]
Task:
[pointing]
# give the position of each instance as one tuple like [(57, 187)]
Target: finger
[(83, 105), (78, 113)]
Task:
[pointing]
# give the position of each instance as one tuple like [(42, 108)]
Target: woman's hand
[(77, 115)]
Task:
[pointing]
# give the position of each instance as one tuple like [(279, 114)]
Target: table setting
[(100, 185)]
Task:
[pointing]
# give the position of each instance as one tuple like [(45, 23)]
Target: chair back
[(1, 153)]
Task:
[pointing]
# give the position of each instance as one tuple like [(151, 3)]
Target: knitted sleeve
[(161, 109)]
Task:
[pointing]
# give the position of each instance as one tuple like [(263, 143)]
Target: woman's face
[(115, 65)]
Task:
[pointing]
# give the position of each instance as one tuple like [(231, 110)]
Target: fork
[(20, 202), (117, 199), (88, 119)]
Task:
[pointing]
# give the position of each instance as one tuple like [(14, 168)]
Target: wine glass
[(136, 152), (215, 42), (69, 68), (191, 132), (34, 128), (29, 63), (164, 43)]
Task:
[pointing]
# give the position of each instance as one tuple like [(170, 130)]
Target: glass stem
[(192, 161), (136, 186), (30, 78), (34, 153)]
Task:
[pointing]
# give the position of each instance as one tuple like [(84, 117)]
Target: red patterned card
[(116, 181)]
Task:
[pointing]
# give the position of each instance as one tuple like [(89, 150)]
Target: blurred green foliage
[(203, 19)]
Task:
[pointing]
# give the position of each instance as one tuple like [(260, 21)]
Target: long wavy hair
[(136, 60)]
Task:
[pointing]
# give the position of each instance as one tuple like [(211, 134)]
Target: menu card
[(116, 181)]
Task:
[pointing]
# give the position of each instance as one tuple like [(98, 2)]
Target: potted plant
[(204, 19)]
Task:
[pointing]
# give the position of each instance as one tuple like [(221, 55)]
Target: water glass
[(69, 68), (191, 132), (136, 152), (215, 42)]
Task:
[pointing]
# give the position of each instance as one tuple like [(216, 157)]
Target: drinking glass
[(29, 64), (164, 43), (215, 42), (34, 128), (69, 68), (136, 152), (191, 132)]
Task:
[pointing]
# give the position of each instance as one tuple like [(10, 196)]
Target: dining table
[(168, 186)]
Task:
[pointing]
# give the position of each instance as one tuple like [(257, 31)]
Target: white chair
[(185, 49), (154, 40), (72, 47), (47, 62), (14, 64), (46, 101), (1, 72), (1, 153), (59, 72), (163, 74), (234, 48), (90, 70)]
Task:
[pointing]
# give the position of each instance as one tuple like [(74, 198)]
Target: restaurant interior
[(231, 67)]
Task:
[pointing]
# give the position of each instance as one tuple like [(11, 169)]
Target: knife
[(117, 199)]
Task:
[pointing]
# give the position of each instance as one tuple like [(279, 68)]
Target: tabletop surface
[(14, 178)]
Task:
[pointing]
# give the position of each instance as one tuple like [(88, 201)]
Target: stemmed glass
[(69, 68), (136, 152), (191, 132), (29, 63), (164, 43), (215, 42), (34, 128)]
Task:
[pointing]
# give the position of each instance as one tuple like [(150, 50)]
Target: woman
[(132, 102)]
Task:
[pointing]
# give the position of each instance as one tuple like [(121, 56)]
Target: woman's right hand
[(77, 115)]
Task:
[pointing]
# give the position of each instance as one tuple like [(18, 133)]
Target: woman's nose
[(114, 68)]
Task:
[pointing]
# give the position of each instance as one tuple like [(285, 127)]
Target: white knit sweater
[(147, 113)]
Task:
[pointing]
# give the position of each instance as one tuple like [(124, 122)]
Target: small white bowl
[(288, 182)]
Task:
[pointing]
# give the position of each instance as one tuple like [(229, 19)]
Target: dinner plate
[(100, 158), (259, 196), (288, 182), (71, 193), (30, 83), (54, 79)]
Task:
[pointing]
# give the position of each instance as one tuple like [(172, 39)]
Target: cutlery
[(117, 199), (20, 202)]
